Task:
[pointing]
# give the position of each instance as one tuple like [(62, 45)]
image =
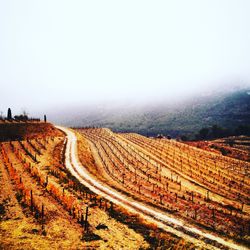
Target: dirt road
[(163, 220)]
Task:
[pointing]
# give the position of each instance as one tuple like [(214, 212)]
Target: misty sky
[(59, 53)]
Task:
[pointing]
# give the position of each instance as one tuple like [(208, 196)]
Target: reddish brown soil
[(19, 227), (202, 188), (237, 147), (26, 130)]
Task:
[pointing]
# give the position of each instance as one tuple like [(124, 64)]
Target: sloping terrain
[(204, 197), (42, 206), (227, 109), (26, 130), (204, 189), (237, 147)]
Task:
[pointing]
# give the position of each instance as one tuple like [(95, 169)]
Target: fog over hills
[(165, 67), (227, 108)]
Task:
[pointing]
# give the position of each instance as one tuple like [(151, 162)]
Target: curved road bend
[(161, 219)]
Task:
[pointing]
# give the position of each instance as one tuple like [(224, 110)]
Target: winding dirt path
[(168, 223)]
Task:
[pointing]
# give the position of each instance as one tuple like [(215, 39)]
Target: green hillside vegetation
[(230, 113)]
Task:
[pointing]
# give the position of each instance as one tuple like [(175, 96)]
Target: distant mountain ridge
[(228, 110)]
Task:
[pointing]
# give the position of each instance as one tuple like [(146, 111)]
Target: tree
[(184, 138), (21, 118), (24, 112), (9, 114), (242, 130), (219, 132), (45, 118), (203, 133), (215, 131), (225, 151)]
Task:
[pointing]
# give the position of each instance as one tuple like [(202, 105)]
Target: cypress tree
[(9, 115)]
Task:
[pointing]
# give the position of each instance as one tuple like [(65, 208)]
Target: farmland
[(111, 190), (43, 206), (203, 188)]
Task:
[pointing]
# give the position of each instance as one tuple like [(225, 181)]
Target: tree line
[(215, 132), (22, 117)]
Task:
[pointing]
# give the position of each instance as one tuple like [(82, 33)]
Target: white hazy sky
[(55, 53)]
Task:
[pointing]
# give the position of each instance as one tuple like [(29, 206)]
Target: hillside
[(99, 189), (26, 130), (228, 109), (202, 187), (43, 206)]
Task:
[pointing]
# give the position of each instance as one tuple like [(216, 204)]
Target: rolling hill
[(228, 109)]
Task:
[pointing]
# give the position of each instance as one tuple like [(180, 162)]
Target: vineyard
[(42, 205), (51, 199), (206, 189)]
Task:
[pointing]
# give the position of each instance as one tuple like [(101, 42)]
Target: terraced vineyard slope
[(204, 189), (43, 206)]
